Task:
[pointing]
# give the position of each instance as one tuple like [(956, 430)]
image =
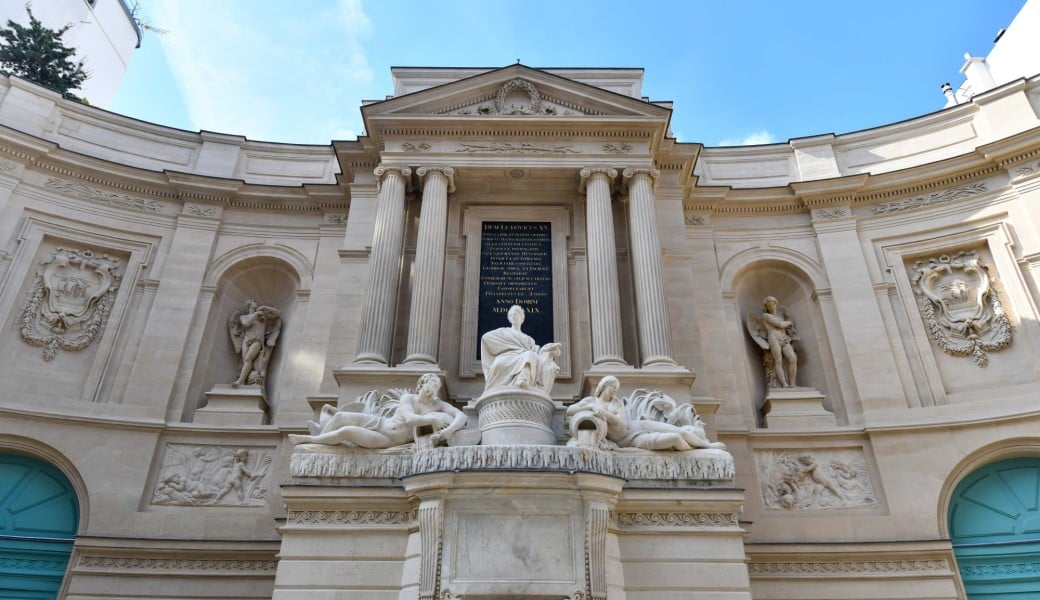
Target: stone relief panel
[(517, 97), (201, 475), (960, 307), (816, 479), (69, 302)]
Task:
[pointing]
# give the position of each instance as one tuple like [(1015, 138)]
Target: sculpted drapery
[(510, 358)]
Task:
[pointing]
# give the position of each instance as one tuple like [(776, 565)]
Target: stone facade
[(904, 259)]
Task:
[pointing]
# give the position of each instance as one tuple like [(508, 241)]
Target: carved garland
[(959, 306), (70, 301), (534, 99)]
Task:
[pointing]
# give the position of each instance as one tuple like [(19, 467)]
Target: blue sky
[(738, 72)]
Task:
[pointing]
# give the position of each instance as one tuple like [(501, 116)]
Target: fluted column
[(604, 303), (377, 312), (655, 339), (424, 320)]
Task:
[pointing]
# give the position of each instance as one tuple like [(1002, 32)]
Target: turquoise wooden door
[(995, 530), (39, 515)]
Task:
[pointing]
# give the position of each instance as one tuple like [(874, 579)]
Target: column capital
[(448, 172), (384, 169), (589, 172), (628, 174), (404, 172)]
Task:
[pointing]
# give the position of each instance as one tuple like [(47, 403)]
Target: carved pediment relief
[(518, 97), (516, 91)]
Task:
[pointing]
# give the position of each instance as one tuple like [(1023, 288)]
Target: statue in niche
[(510, 358), (962, 311), (254, 332), (647, 419), (70, 301), (391, 419), (775, 334)]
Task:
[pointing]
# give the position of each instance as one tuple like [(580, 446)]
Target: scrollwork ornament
[(960, 308), (70, 301), (382, 170)]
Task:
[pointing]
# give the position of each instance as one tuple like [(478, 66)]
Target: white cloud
[(280, 71), (761, 136)]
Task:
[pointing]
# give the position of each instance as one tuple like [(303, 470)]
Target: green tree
[(37, 53)]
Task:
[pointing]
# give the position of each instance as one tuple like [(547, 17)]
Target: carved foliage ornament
[(85, 192), (959, 306), (70, 301), (954, 193)]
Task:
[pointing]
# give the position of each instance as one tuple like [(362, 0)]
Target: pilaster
[(863, 329), (170, 320)]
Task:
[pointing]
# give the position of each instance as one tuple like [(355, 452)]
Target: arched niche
[(793, 279), (993, 520), (251, 273), (39, 519)]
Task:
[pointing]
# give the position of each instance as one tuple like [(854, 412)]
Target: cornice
[(916, 187)]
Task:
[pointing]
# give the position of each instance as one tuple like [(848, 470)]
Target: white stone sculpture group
[(512, 363)]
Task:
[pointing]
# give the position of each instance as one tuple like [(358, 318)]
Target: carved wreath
[(533, 97), (70, 301), (959, 306)]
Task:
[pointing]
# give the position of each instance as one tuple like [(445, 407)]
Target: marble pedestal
[(516, 417), (797, 408), (510, 522), (228, 406)]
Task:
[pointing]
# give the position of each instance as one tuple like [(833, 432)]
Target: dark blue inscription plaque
[(516, 268)]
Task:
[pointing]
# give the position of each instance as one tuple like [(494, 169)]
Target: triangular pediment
[(516, 91)]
